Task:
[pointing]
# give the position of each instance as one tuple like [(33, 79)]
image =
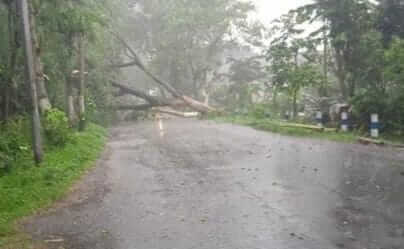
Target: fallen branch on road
[(192, 103), (367, 141), (177, 113), (310, 127)]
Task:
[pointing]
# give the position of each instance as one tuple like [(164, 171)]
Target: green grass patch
[(25, 189), (276, 127)]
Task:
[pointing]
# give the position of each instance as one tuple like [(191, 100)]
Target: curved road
[(202, 185)]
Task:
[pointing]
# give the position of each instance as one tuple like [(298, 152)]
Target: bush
[(15, 142), (390, 108), (56, 127), (24, 190), (262, 111)]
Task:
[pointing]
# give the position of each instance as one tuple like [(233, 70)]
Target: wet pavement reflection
[(208, 185)]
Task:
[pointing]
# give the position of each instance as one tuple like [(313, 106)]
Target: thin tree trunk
[(82, 107), (294, 104), (206, 96), (30, 73), (44, 102), (70, 110), (275, 98), (323, 89), (6, 97), (12, 59), (341, 75)]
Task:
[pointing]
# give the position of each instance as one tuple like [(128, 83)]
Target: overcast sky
[(268, 10)]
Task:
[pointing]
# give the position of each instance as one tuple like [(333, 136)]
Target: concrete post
[(374, 125), (319, 119), (344, 122)]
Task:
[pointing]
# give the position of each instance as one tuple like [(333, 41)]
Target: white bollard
[(374, 125), (344, 122), (319, 119)]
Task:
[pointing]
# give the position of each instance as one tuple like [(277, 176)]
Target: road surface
[(189, 184)]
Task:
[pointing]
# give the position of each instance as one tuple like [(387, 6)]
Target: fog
[(268, 10)]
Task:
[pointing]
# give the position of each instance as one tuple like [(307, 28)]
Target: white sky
[(268, 10)]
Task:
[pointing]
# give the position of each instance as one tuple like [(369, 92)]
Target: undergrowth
[(24, 187)]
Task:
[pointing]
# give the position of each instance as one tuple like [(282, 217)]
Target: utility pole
[(30, 77)]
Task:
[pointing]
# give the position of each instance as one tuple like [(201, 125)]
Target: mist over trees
[(95, 59)]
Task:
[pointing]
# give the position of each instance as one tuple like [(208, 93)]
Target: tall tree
[(31, 79), (290, 71), (390, 19), (44, 102)]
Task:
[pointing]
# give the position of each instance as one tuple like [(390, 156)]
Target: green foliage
[(390, 20), (56, 127), (365, 103), (384, 95), (289, 72), (15, 143), (25, 190), (262, 111), (394, 61)]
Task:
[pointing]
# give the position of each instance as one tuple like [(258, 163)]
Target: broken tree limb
[(198, 106), (176, 113), (151, 100), (309, 127), (366, 141), (194, 104), (140, 94), (143, 107), (123, 65)]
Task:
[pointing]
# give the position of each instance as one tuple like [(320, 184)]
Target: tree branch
[(189, 101)]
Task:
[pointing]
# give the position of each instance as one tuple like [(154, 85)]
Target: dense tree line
[(93, 57), (68, 42), (356, 49), (80, 50)]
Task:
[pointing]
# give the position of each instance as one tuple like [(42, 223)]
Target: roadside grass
[(28, 188), (275, 127)]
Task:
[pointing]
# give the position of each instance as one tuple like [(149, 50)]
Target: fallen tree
[(188, 101), (152, 101)]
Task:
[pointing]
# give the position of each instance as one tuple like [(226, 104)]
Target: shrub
[(56, 127), (262, 111), (15, 141)]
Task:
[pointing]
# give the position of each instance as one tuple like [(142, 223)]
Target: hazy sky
[(268, 10)]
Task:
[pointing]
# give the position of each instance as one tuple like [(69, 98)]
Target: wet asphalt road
[(204, 185)]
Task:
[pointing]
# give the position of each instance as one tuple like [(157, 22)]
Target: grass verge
[(275, 127), (26, 189)]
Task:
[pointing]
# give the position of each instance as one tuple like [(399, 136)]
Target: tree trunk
[(82, 88), (323, 89), (152, 101), (275, 98), (294, 105), (70, 110), (30, 73), (44, 102), (12, 61), (352, 88), (206, 96), (341, 75), (6, 103), (196, 105)]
